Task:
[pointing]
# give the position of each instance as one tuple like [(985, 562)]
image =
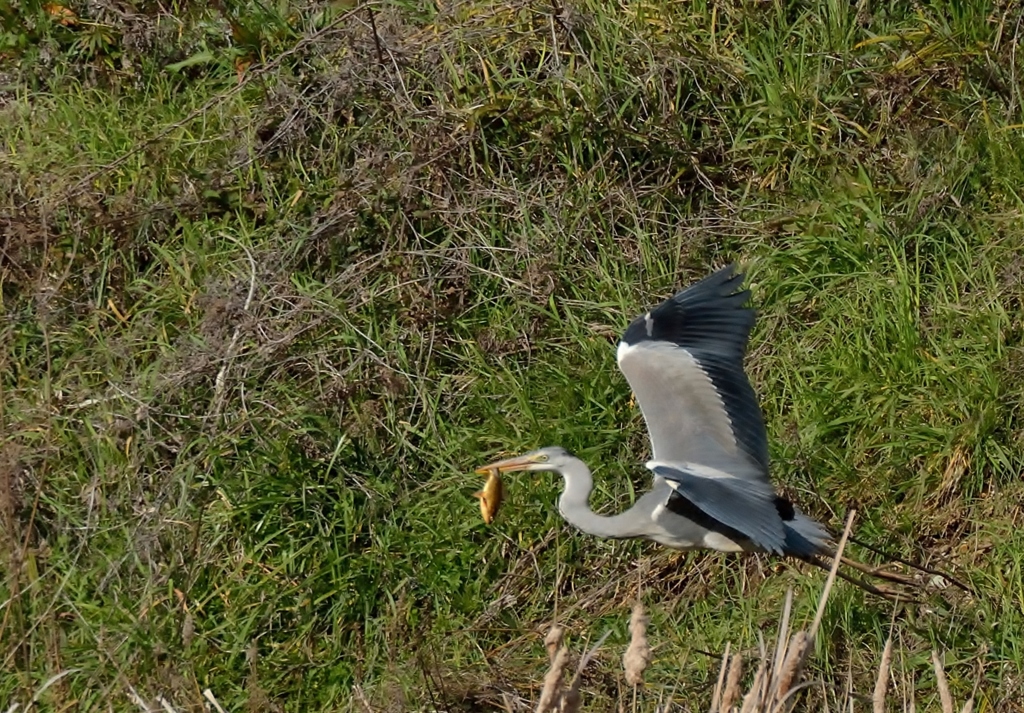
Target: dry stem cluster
[(776, 683)]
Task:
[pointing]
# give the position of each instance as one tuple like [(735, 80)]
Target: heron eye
[(543, 458)]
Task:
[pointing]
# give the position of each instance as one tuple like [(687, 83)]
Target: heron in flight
[(710, 490)]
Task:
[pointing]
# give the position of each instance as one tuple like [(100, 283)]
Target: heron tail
[(805, 537)]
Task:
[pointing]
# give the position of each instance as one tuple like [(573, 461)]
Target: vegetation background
[(277, 275)]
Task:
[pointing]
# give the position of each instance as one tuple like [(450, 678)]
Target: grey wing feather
[(684, 362), (740, 505)]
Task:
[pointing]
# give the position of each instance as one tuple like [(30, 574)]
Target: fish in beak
[(494, 492), (491, 496)]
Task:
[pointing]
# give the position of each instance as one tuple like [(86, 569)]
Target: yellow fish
[(491, 496)]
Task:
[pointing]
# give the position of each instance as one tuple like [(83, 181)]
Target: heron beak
[(510, 464)]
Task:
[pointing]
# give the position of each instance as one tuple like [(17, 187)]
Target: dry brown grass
[(444, 215), (776, 685)]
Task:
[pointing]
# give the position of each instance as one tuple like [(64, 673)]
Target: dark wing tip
[(708, 315)]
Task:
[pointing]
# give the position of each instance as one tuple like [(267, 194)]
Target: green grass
[(444, 228)]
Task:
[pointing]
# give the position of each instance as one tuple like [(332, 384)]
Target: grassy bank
[(274, 279)]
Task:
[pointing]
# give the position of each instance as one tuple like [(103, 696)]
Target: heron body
[(710, 490)]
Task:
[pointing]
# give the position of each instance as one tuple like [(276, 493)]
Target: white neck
[(574, 504)]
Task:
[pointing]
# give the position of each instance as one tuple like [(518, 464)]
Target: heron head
[(543, 459)]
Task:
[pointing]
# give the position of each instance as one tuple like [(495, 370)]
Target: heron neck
[(574, 504)]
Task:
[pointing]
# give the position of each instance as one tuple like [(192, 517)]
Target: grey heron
[(683, 360)]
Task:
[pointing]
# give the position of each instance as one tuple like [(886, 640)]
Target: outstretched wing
[(684, 362)]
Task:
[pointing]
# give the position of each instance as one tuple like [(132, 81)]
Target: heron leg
[(919, 567), (871, 589), (879, 572)]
